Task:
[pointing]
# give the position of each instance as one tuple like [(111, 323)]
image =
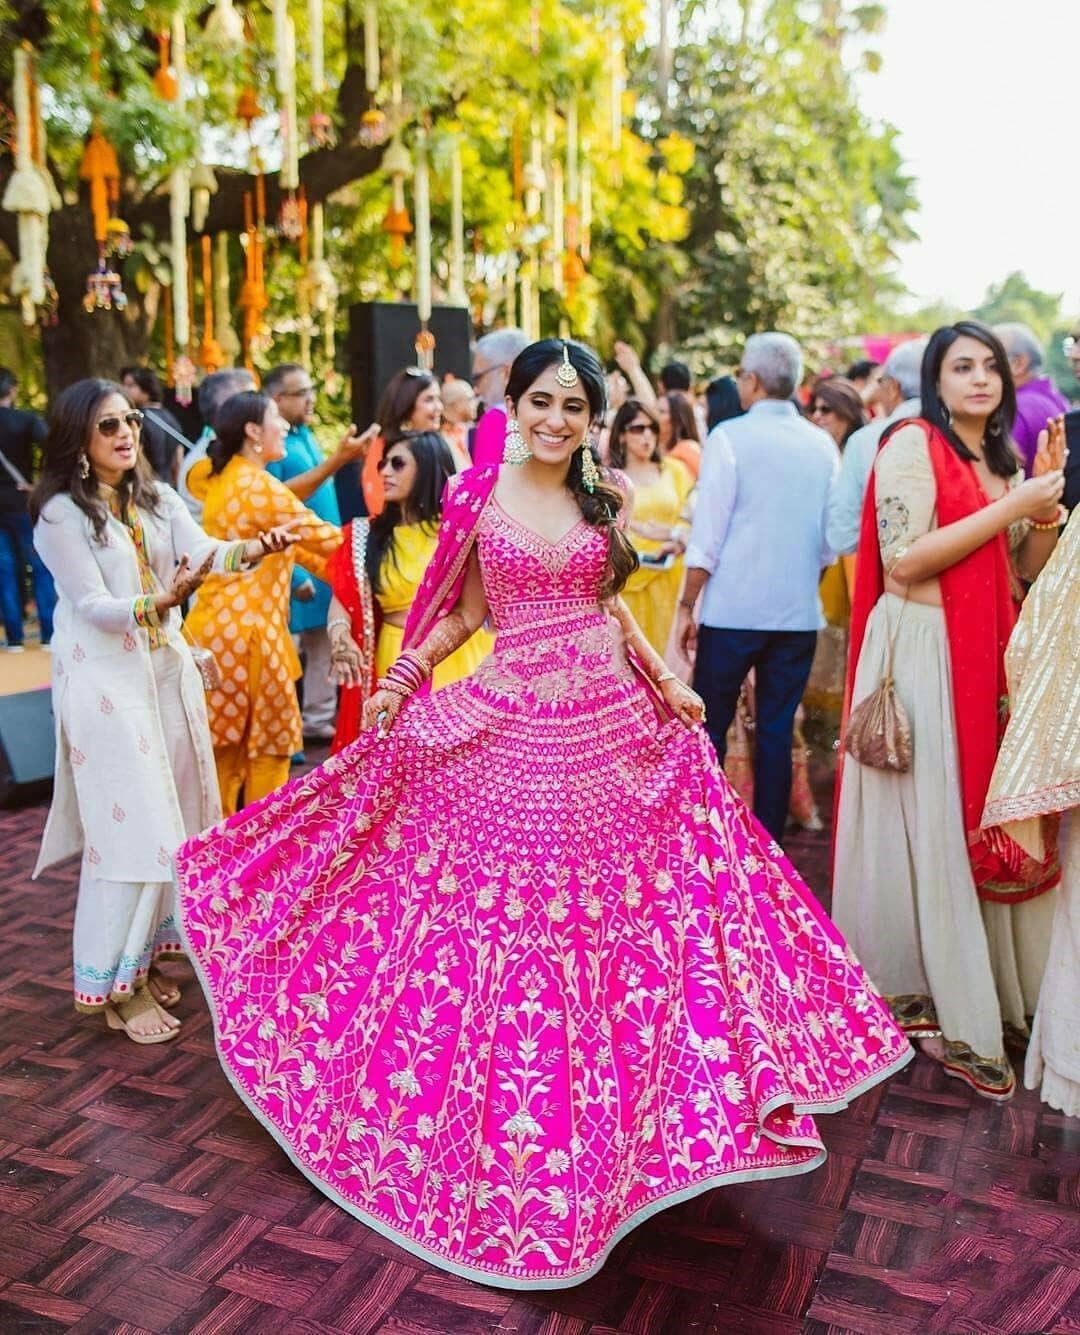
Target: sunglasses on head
[(109, 426), (395, 462)]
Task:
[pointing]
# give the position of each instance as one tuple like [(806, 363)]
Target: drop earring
[(515, 451), (84, 467), (945, 412), (590, 474)]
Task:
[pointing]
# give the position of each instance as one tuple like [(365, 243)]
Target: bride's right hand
[(380, 710)]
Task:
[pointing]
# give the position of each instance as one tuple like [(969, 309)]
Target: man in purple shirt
[(1037, 397)]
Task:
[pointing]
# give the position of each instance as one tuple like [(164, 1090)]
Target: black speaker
[(382, 340), (27, 746)]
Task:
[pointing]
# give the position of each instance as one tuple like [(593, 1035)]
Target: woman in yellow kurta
[(243, 619), (377, 571), (658, 519)]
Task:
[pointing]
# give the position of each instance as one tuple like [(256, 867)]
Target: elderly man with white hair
[(1037, 397), (492, 358), (898, 393), (756, 551)]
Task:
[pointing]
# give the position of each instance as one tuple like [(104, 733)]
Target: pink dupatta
[(464, 501)]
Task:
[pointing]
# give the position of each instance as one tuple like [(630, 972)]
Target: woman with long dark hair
[(411, 401), (254, 715), (376, 572), (659, 519), (680, 437), (516, 970), (134, 768), (952, 924)]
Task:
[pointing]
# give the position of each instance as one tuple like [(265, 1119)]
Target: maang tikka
[(566, 375)]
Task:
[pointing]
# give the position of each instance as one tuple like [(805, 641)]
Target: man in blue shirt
[(756, 551), (308, 472)]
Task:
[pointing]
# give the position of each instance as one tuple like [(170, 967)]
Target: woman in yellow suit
[(243, 619), (659, 518), (377, 571)]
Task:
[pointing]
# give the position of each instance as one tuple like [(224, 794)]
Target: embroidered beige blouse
[(907, 496)]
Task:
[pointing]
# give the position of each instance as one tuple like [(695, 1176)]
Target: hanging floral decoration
[(398, 166)]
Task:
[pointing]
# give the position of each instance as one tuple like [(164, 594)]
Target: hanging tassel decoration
[(374, 126), (27, 196), (422, 204), (398, 166), (179, 202), (224, 333), (224, 28), (458, 295), (211, 356)]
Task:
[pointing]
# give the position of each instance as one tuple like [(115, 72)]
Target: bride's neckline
[(539, 537)]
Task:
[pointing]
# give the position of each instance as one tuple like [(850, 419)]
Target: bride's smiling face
[(553, 420)]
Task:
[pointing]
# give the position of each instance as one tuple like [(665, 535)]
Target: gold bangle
[(664, 676), (1048, 525)]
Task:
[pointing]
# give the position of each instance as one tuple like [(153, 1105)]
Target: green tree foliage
[(797, 202), (1014, 299), (477, 71)]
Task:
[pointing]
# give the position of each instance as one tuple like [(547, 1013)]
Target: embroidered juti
[(134, 766), (511, 980), (380, 642), (1036, 783), (652, 593), (244, 621), (953, 930)]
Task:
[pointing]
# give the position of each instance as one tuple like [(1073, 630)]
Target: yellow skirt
[(652, 597), (462, 662)]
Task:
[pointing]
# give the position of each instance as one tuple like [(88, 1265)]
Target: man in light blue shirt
[(308, 472), (898, 393), (756, 551)]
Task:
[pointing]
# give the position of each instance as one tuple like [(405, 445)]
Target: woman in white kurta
[(134, 766)]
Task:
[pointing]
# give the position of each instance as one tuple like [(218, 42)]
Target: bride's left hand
[(686, 704)]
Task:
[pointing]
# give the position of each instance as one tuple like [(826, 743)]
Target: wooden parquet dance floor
[(136, 1194)]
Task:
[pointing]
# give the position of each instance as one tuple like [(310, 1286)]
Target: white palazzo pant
[(903, 892), (122, 927)]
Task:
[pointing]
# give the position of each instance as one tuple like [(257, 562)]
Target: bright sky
[(985, 94)]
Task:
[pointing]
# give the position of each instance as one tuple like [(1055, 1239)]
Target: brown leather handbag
[(878, 731)]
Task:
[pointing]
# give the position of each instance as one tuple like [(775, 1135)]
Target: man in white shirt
[(898, 393), (756, 551)]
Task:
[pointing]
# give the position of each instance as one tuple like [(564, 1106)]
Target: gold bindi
[(566, 375)]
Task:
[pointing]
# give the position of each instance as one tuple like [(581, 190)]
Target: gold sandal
[(990, 1077), (158, 983), (139, 1004)]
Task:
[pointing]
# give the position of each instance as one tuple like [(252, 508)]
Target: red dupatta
[(347, 575), (980, 612)]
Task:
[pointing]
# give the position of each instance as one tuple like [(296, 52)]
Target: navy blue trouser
[(17, 551), (781, 659)]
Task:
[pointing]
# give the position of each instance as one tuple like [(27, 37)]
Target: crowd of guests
[(799, 543)]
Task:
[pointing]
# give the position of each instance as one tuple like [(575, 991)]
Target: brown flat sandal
[(139, 1004)]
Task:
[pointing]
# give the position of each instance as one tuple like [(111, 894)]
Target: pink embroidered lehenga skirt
[(512, 980)]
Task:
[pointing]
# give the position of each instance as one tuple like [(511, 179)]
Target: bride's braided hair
[(600, 507)]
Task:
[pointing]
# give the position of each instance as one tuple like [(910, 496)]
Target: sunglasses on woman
[(639, 428), (396, 462), (109, 426)]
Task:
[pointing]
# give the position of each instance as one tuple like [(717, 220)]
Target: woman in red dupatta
[(951, 922), (377, 570)]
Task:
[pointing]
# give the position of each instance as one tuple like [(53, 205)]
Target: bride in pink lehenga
[(516, 969)]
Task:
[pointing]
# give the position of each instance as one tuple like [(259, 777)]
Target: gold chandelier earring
[(515, 451), (590, 474)]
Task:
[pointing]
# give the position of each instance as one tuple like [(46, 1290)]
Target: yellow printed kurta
[(652, 594), (244, 618), (400, 576)]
